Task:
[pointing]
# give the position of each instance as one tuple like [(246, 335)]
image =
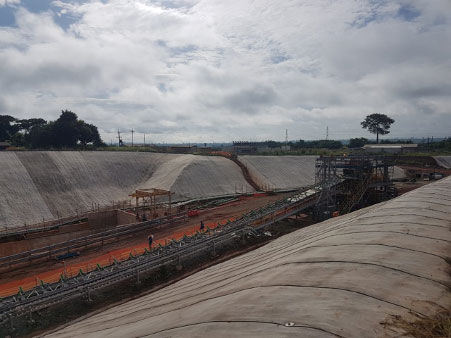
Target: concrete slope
[(339, 278), (287, 172), (281, 172), (443, 161), (193, 176), (20, 200), (210, 176), (44, 184), (70, 182)]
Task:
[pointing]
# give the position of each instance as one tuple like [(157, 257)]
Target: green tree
[(41, 136), (7, 128), (88, 133), (65, 130), (357, 142), (377, 124), (27, 124)]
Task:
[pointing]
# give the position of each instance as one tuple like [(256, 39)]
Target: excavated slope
[(286, 172), (44, 185), (281, 172), (443, 161), (341, 278)]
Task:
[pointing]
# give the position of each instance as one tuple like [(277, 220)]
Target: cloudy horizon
[(217, 71)]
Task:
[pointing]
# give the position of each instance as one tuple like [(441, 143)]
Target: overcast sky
[(223, 70)]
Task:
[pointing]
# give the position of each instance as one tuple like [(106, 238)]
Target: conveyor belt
[(46, 295)]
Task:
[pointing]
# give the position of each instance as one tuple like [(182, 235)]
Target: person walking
[(150, 239), (202, 225)]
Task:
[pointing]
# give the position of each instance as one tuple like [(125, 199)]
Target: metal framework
[(250, 224), (356, 173), (149, 197)]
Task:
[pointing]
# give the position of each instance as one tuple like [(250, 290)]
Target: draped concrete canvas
[(287, 172), (281, 172), (44, 184), (342, 277), (443, 161)]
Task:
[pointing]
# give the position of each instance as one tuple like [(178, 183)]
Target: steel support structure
[(357, 173)]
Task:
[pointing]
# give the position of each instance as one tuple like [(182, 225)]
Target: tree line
[(65, 132)]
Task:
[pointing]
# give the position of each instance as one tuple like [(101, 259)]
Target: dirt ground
[(209, 217)]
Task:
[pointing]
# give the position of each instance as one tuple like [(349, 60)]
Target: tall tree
[(377, 124), (27, 124), (7, 128), (88, 133), (65, 130)]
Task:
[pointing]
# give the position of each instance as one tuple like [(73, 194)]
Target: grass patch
[(433, 327)]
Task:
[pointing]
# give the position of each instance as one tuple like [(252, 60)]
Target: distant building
[(245, 148), (182, 149), (4, 145), (252, 148), (391, 148)]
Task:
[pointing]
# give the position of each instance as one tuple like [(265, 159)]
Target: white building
[(391, 148)]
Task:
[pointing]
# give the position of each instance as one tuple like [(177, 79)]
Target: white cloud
[(9, 2), (223, 70)]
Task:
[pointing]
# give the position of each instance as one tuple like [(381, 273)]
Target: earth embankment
[(44, 184), (281, 172), (443, 161), (345, 277)]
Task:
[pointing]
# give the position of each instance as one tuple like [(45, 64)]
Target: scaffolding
[(352, 176), (149, 197)]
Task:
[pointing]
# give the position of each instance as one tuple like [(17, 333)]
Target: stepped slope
[(340, 278)]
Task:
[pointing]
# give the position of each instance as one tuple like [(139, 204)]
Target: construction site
[(247, 245)]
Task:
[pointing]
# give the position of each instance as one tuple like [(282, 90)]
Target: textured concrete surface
[(287, 172), (37, 185), (341, 278), (281, 172), (443, 161)]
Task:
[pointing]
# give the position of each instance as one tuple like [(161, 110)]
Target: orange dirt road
[(27, 278)]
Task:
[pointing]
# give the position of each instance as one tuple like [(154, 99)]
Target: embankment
[(341, 278)]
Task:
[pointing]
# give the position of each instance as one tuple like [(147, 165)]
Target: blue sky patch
[(7, 16), (7, 13), (408, 13)]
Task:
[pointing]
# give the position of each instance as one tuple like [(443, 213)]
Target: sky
[(215, 70)]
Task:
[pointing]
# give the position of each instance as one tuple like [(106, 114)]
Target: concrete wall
[(102, 219), (123, 217)]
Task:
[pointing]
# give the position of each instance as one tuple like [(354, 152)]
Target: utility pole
[(144, 139), (286, 136), (119, 137), (132, 135), (327, 133)]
